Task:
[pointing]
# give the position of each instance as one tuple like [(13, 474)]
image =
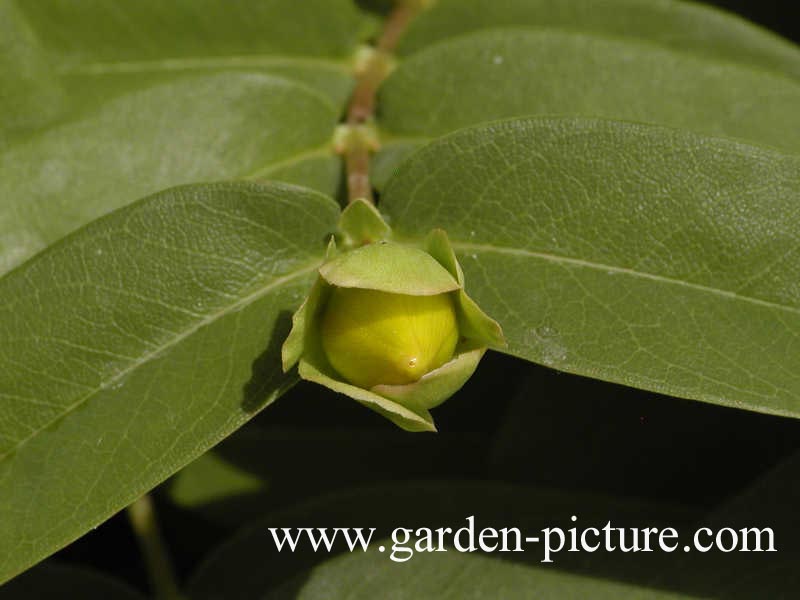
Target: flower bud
[(389, 324), (373, 337)]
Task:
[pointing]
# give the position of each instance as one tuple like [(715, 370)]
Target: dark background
[(778, 15), (543, 428)]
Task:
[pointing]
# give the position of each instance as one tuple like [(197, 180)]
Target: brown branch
[(362, 102), (396, 25), (357, 167), (358, 148)]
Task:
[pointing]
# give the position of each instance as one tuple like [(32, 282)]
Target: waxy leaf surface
[(516, 72), (686, 26), (195, 129), (636, 254), (136, 343)]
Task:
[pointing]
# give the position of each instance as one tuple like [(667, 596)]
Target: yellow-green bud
[(372, 337), (389, 324)]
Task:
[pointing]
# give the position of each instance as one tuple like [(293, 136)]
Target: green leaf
[(389, 267), (52, 580), (196, 129), (361, 223), (473, 323), (138, 342), (101, 48), (636, 254), (683, 26), (512, 73), (409, 418), (508, 73), (30, 94)]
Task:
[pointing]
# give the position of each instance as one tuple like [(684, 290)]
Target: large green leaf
[(101, 47), (196, 129), (683, 26), (151, 102), (636, 254), (511, 73), (138, 342)]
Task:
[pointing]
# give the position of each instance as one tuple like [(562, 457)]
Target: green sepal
[(303, 322), (438, 385), (473, 323), (332, 249), (389, 267), (403, 417), (438, 246), (361, 223)]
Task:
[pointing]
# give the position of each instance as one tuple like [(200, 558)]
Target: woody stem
[(358, 148)]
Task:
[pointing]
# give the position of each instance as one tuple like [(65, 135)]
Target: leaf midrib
[(156, 352), (204, 62), (554, 258)]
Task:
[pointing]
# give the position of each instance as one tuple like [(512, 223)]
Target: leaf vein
[(206, 62), (466, 246), (208, 319)]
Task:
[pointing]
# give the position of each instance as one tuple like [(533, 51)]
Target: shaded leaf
[(645, 256), (771, 499), (575, 433), (683, 26), (211, 479), (197, 129), (238, 569), (321, 460), (769, 503), (381, 7), (138, 342), (30, 94), (453, 576), (50, 581)]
